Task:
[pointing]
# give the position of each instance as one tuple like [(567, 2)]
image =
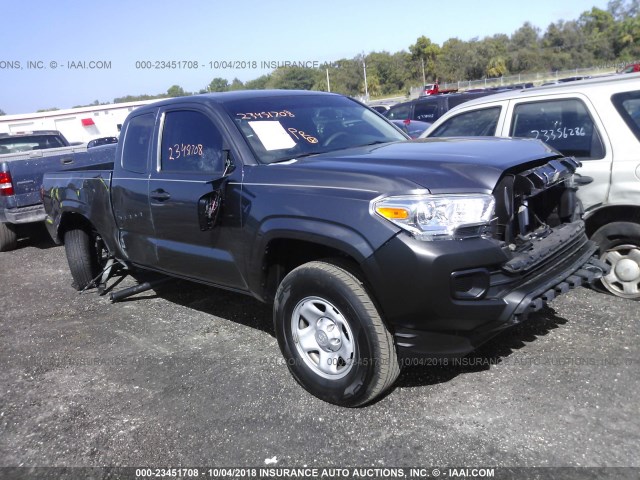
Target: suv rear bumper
[(445, 298)]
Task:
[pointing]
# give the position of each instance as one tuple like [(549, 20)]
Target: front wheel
[(332, 336), (619, 244)]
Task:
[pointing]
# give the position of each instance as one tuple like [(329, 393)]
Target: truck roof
[(224, 97)]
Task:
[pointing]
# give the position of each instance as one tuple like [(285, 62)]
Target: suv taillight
[(6, 185)]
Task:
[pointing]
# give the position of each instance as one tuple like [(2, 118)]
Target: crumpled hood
[(440, 165)]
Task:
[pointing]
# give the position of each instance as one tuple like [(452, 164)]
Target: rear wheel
[(620, 248), (86, 256), (332, 336), (8, 237)]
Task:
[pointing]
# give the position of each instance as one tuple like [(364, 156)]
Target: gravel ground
[(192, 376)]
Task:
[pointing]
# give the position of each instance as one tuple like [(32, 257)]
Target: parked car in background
[(97, 142), (429, 109), (413, 128), (597, 121), (33, 140), (632, 68), (24, 158), (434, 89), (380, 108)]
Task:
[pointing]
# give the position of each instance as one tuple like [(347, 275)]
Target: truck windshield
[(14, 144), (287, 127)]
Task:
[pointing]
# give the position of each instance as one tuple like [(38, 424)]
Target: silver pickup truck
[(24, 159)]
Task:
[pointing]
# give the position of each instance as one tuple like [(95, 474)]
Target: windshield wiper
[(302, 155)]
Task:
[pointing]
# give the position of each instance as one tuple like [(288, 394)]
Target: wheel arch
[(291, 243), (604, 215), (71, 220)]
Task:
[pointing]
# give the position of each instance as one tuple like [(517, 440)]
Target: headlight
[(431, 217)]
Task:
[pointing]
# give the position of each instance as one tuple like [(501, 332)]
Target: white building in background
[(76, 124)]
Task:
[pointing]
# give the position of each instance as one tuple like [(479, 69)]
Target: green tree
[(452, 61), (525, 54), (2, 112), (424, 50), (137, 98), (347, 76), (259, 83), (599, 30), (393, 72), (496, 67), (176, 91), (626, 41), (293, 78), (564, 46), (236, 84), (218, 85)]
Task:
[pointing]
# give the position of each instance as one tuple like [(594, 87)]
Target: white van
[(598, 122)]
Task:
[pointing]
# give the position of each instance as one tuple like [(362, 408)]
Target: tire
[(349, 365), (619, 244), (8, 237), (84, 255)]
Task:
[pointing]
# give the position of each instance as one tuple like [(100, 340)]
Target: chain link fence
[(525, 79)]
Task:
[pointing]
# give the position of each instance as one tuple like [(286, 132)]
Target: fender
[(318, 231)]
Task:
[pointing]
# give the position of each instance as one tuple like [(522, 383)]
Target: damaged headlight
[(433, 217)]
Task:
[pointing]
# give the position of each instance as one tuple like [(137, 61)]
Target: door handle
[(66, 161), (160, 195)]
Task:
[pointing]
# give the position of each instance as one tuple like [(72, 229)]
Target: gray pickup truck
[(24, 159), (374, 250)]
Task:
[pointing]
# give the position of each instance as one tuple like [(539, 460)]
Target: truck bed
[(83, 191), (28, 168)]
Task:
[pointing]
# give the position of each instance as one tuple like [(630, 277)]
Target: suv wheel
[(620, 248)]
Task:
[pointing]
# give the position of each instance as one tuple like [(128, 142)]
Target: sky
[(45, 44)]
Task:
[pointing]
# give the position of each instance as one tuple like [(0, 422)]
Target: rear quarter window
[(426, 112), (137, 143), (475, 123), (628, 106), (565, 124)]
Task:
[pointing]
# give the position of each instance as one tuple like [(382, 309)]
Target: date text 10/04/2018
[(227, 64)]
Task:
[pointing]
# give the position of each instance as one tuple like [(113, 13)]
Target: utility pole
[(424, 78), (366, 88), (328, 84)]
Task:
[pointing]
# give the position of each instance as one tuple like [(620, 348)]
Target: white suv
[(598, 122)]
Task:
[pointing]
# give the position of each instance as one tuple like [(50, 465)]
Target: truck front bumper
[(445, 298)]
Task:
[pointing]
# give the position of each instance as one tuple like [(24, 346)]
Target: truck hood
[(440, 165)]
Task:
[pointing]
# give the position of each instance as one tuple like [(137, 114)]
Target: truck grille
[(530, 203)]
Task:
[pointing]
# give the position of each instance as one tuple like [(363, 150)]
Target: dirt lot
[(192, 376)]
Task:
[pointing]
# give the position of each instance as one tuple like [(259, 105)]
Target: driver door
[(186, 191)]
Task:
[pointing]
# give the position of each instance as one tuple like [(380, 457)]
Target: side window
[(628, 106), (400, 112), (426, 112), (190, 143), (564, 124), (475, 123), (137, 143)]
